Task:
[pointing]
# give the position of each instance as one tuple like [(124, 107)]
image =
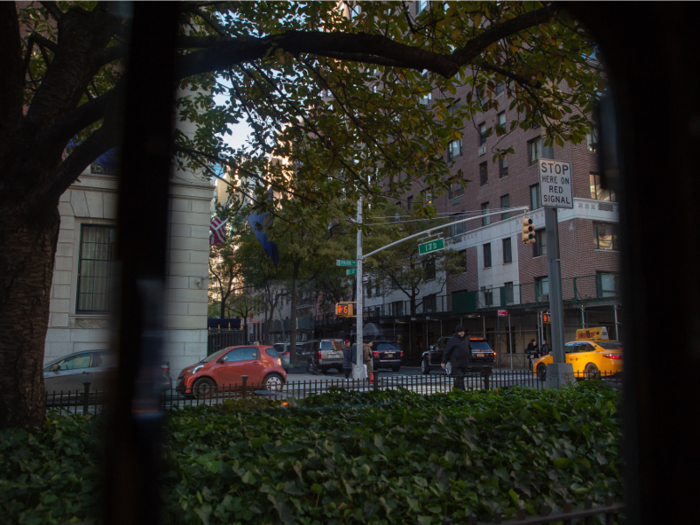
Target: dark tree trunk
[(26, 271)]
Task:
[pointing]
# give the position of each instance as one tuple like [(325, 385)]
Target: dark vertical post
[(244, 386), (145, 110), (86, 397)]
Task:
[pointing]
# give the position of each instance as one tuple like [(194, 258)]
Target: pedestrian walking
[(458, 351), (531, 351), (544, 349), (349, 357), (369, 360)]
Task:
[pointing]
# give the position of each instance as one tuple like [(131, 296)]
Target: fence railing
[(218, 339), (568, 514), (87, 401)]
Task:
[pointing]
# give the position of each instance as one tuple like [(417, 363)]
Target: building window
[(535, 197), (534, 148), (485, 207), (605, 236), (487, 255), (488, 296), (510, 299), (454, 149), (502, 167), (463, 260), (501, 118), (484, 173), (368, 289), (429, 304), (505, 203), (397, 308), (456, 189), (507, 251), (97, 245), (542, 289), (458, 229), (421, 5), (500, 88), (427, 197), (429, 267), (409, 203), (481, 96), (592, 142), (540, 245), (606, 284), (482, 134), (599, 193), (425, 99)]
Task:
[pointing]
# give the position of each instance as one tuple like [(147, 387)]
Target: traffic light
[(345, 309), (546, 318), (528, 231)]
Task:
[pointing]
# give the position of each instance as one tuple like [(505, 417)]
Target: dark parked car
[(483, 356), (68, 373), (387, 354)]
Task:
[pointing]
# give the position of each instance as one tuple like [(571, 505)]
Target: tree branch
[(512, 76), (12, 72), (53, 9)]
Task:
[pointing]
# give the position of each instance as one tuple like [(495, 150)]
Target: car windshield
[(480, 345), (215, 355), (610, 345), (331, 345), (271, 352), (387, 346)]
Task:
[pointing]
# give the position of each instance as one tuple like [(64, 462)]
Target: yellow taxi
[(592, 354)]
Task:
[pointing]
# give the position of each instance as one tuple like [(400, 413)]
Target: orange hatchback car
[(225, 368)]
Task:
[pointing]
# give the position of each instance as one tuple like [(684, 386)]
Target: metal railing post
[(244, 387), (86, 394)]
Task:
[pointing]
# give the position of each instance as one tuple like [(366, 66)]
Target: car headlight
[(196, 369)]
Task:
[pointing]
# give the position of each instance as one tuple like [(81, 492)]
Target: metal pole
[(617, 336), (583, 318), (483, 333), (557, 373), (358, 370), (510, 342)]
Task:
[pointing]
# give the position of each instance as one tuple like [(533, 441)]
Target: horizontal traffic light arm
[(510, 210)]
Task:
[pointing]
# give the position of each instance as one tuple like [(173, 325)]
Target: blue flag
[(267, 245)]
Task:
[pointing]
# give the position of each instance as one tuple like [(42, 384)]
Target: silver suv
[(323, 354)]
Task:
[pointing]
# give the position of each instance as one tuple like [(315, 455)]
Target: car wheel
[(424, 368), (592, 371), (542, 372), (448, 369), (203, 388), (273, 382), (395, 368)]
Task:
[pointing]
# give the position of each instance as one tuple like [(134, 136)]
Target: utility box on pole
[(556, 191)]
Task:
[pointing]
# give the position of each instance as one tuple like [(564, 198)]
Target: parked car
[(483, 356), (590, 358), (323, 354), (283, 351), (99, 367), (387, 354), (260, 363)]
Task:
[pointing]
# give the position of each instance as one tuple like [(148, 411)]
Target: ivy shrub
[(341, 457)]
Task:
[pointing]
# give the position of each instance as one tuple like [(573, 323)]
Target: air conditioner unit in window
[(482, 150)]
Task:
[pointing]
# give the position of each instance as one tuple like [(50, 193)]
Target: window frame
[(485, 208), (483, 173), (535, 203), (533, 155), (482, 134), (507, 242), (108, 289), (615, 240), (464, 259), (503, 167), (539, 248), (510, 292), (487, 249), (506, 215)]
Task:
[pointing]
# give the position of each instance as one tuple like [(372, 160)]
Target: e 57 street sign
[(431, 246), (556, 185), (351, 271), (345, 262)]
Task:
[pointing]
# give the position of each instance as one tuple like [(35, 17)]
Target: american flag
[(218, 232)]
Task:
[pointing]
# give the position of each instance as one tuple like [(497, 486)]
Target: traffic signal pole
[(358, 369)]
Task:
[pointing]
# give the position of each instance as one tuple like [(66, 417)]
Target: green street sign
[(431, 246), (351, 271), (345, 262)]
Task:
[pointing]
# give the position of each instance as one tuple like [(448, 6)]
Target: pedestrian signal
[(528, 231), (345, 309)]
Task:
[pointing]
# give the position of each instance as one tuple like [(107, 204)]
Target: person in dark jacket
[(531, 351), (544, 349), (458, 351), (349, 357)]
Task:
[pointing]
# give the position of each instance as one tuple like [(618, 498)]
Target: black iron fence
[(218, 339), (88, 401), (568, 514)]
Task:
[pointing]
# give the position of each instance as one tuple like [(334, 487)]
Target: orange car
[(224, 368)]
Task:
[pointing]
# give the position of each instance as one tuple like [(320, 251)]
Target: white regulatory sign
[(556, 184)]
